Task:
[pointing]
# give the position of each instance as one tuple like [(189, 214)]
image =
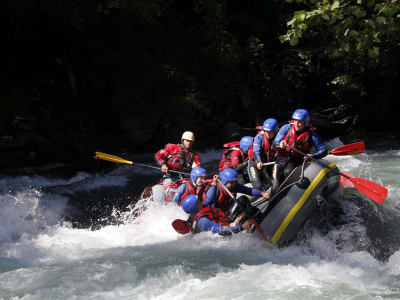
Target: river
[(77, 237)]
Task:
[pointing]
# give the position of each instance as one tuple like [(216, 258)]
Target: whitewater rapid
[(45, 255)]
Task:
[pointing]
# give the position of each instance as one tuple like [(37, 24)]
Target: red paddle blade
[(181, 226), (350, 149), (344, 182), (370, 189)]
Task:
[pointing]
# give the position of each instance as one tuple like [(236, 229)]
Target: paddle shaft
[(317, 161), (370, 189), (157, 168)]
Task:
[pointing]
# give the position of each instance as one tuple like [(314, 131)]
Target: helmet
[(302, 115), (189, 204), (188, 135), (228, 175), (196, 172), (246, 142), (271, 124)]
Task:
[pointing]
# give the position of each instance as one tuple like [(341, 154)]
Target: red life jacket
[(174, 185), (203, 188), (226, 161), (189, 189), (214, 214), (300, 142), (267, 153), (183, 160), (223, 200)]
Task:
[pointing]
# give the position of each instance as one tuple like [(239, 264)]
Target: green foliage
[(358, 28)]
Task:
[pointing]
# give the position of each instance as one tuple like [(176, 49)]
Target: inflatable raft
[(281, 218)]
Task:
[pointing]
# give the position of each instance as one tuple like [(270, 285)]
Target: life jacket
[(189, 189), (173, 185), (267, 153), (223, 200), (183, 160), (226, 161), (214, 214), (298, 141), (203, 188)]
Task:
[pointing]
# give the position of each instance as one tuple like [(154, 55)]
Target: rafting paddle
[(117, 159), (350, 149), (370, 189)]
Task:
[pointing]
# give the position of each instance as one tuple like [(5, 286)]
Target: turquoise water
[(347, 250)]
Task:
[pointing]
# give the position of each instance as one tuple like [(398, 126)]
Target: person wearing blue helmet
[(209, 218), (237, 157), (215, 193), (298, 134), (259, 173), (188, 187)]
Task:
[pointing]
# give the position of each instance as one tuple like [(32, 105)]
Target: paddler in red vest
[(177, 157), (301, 135), (236, 157), (192, 186), (260, 174), (209, 218), (216, 195)]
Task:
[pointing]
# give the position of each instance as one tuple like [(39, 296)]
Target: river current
[(79, 237)]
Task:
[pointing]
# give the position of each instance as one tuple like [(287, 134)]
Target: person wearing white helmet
[(298, 134), (178, 157)]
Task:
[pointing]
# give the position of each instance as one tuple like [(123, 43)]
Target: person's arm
[(320, 146), (179, 193), (257, 147), (238, 165), (247, 190), (161, 155), (281, 135), (210, 195), (205, 224)]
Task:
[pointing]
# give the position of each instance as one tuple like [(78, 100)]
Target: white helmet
[(188, 135)]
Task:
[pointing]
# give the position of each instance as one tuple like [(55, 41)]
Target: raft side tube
[(285, 216)]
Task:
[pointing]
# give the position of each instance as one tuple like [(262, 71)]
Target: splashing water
[(349, 249)]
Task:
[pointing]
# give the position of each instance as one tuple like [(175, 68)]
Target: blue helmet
[(189, 204), (196, 172), (271, 124), (228, 175), (246, 142), (302, 115)]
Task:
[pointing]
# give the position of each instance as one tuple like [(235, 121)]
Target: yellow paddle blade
[(112, 158)]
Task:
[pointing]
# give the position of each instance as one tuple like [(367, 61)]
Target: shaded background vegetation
[(130, 75)]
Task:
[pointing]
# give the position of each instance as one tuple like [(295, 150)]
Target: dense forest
[(79, 76)]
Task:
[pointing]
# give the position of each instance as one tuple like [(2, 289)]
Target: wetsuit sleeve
[(257, 147), (179, 193), (281, 135), (211, 195), (248, 191), (319, 145), (205, 224)]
